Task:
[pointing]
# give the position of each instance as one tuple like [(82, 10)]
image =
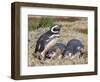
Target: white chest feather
[(51, 43)]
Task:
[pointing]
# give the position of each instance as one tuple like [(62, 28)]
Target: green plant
[(46, 22), (43, 22), (33, 24)]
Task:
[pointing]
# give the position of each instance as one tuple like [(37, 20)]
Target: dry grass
[(70, 29)]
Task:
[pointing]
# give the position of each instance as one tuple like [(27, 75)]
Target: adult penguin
[(47, 40)]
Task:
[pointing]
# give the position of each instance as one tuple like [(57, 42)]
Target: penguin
[(47, 40), (56, 51), (74, 47)]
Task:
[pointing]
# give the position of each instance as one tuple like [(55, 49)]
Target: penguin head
[(55, 29)]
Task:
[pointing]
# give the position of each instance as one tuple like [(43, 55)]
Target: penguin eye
[(56, 29)]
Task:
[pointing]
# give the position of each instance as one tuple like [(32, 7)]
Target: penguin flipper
[(39, 47), (36, 48)]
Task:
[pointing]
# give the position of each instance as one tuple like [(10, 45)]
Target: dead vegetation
[(73, 28)]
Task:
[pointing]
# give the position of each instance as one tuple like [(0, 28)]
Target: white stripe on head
[(53, 28)]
